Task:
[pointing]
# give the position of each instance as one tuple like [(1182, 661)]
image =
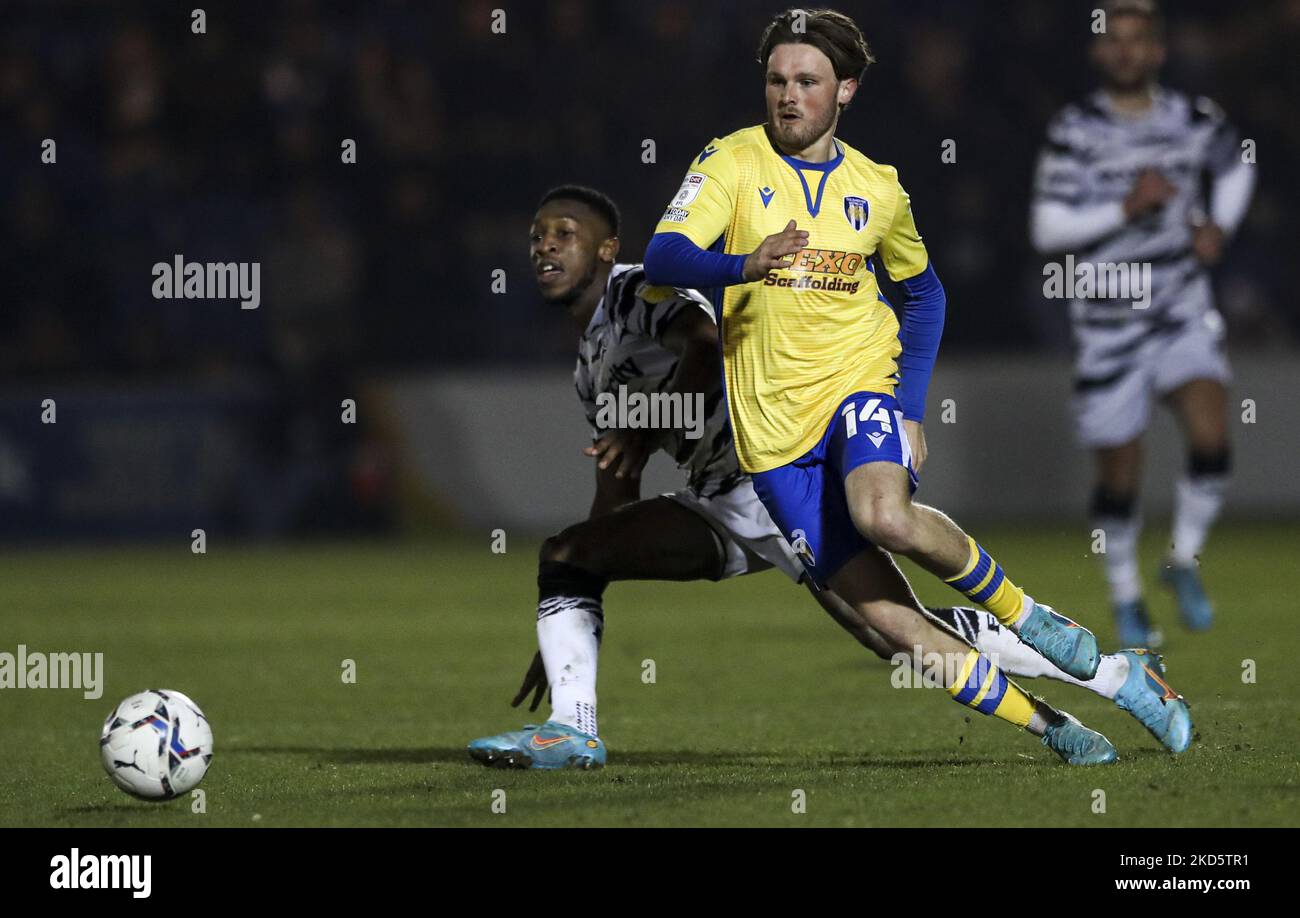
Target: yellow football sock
[(983, 581), (982, 686)]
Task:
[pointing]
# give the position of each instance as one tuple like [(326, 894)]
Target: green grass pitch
[(756, 695)]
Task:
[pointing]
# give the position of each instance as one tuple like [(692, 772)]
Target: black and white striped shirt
[(1091, 158), (623, 346)]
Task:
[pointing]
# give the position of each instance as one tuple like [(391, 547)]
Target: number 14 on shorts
[(871, 411)]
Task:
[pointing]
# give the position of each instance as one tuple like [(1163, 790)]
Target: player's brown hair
[(829, 31)]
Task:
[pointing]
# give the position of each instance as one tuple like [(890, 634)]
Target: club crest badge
[(855, 211)]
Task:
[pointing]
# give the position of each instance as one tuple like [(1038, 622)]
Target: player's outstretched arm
[(681, 253), (672, 258), (1230, 196), (1058, 225), (1061, 218)]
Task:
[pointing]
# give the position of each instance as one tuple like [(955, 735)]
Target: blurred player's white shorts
[(1118, 410), (750, 540)]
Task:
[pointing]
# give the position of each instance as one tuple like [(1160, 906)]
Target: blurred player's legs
[(1115, 514), (1188, 369), (1201, 406)]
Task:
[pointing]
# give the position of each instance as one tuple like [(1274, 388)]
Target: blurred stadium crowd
[(226, 147)]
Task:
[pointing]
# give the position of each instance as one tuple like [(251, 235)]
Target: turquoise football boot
[(549, 746), (1133, 625), (1148, 697), (1078, 745), (1193, 605), (1068, 645)]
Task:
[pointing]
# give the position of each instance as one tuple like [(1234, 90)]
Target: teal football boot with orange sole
[(1148, 697), (1065, 643), (549, 746), (1193, 605), (1077, 744)]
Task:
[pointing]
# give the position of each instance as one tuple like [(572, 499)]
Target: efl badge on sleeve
[(856, 210), (690, 189)]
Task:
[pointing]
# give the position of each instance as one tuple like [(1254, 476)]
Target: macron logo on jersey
[(766, 194), (708, 151)]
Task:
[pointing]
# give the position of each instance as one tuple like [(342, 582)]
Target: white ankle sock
[(1120, 558), (569, 629), (1196, 505)]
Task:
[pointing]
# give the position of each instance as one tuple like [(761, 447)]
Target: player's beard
[(567, 298), (801, 135)]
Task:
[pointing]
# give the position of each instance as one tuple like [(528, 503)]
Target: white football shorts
[(1113, 407), (750, 540)]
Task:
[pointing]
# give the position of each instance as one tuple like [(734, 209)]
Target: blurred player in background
[(810, 350), (1124, 178), (661, 339)]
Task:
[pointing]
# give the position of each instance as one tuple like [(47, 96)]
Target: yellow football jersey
[(800, 340)]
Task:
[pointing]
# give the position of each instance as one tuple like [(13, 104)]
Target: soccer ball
[(156, 745)]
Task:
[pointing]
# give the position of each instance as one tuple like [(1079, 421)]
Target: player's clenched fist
[(773, 251), (1151, 191)]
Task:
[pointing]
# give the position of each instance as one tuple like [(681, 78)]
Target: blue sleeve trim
[(919, 333), (673, 260)]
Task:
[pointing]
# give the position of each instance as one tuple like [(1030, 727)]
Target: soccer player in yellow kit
[(777, 224)]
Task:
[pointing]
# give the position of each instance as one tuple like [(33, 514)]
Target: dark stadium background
[(403, 548), (226, 147)]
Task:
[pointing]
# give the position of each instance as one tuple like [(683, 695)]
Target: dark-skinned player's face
[(803, 95), (567, 243), (1129, 54)]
